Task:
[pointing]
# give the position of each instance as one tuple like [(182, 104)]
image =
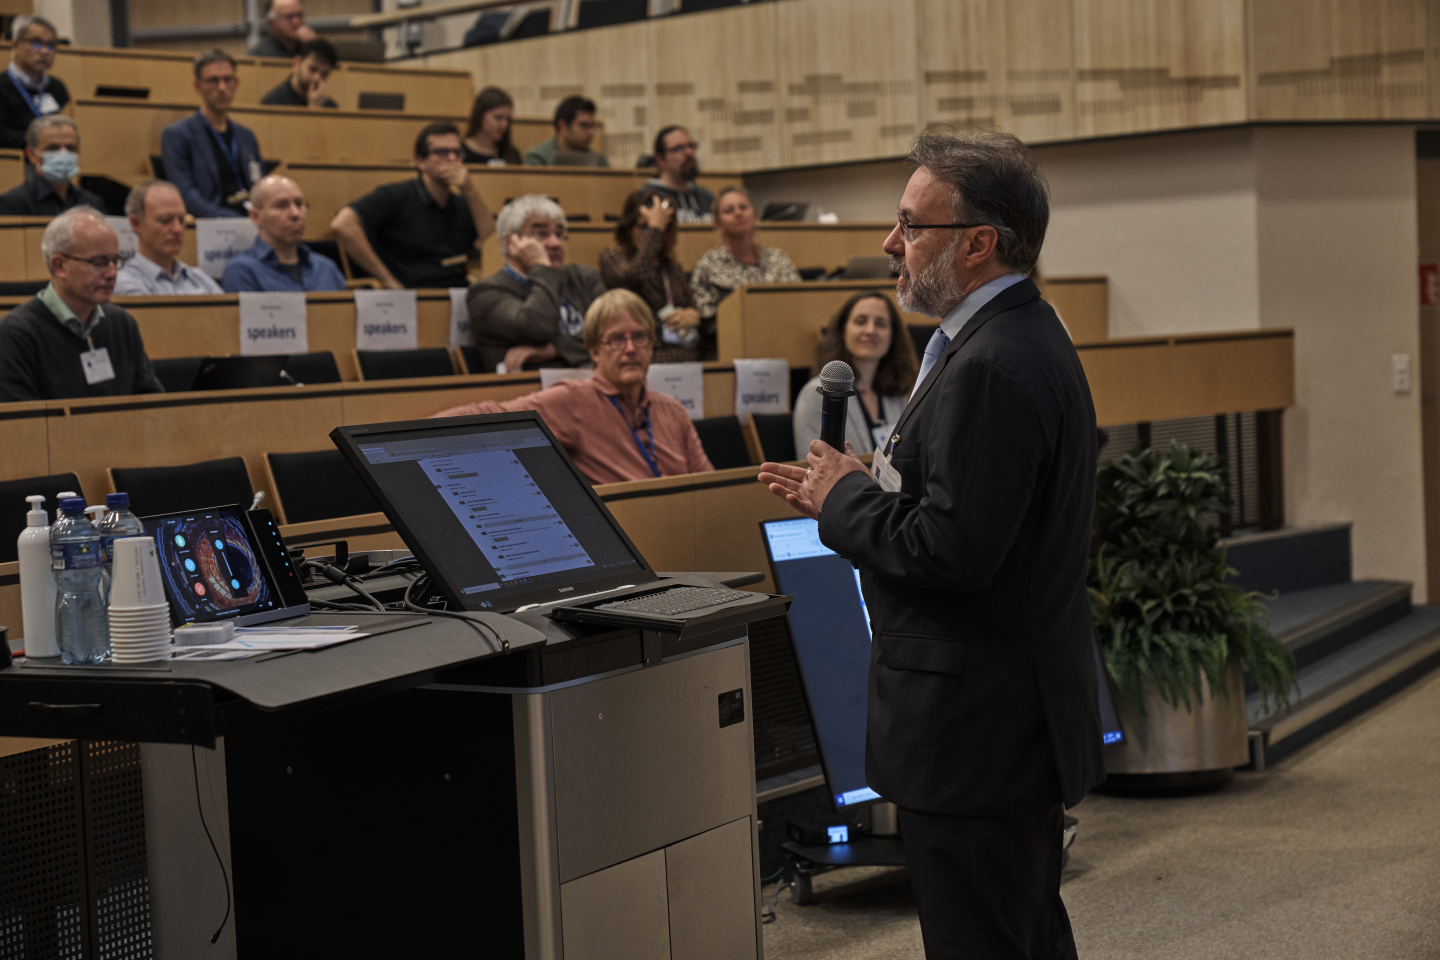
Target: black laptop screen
[(496, 511)]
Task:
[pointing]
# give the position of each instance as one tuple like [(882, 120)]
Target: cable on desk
[(195, 769), (496, 645), (342, 579)]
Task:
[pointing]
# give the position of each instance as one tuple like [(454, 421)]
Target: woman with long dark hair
[(643, 262), (868, 334), (487, 138)]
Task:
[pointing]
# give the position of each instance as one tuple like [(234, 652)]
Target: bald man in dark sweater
[(69, 340)]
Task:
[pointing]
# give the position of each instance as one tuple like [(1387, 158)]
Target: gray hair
[(135, 203), (512, 216), (59, 236), (20, 24), (994, 180), (32, 132)]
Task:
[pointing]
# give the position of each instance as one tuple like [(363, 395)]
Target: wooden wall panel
[(722, 89), (1339, 59), (847, 79), (1158, 64), (25, 441), (1003, 63)]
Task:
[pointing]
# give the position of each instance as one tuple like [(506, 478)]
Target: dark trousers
[(988, 887)]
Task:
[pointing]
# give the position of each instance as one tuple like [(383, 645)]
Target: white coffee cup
[(135, 580)]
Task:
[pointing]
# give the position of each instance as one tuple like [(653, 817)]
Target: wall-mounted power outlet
[(1400, 373)]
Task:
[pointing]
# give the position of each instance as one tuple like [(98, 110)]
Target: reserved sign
[(218, 239), (272, 323), (683, 381), (761, 386), (385, 320)]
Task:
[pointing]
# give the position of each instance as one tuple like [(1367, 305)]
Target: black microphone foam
[(837, 386)]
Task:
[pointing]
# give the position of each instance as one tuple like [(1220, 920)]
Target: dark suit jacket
[(190, 163), (15, 112), (505, 313), (983, 696)]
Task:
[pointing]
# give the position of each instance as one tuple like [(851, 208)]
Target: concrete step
[(1346, 682)]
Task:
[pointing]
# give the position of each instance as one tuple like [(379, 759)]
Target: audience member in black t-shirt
[(487, 138), (52, 148), (420, 232), (309, 71)]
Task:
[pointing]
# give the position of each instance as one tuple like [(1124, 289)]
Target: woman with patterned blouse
[(739, 260), (644, 263)]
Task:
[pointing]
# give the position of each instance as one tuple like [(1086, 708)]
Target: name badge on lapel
[(97, 366), (881, 470)]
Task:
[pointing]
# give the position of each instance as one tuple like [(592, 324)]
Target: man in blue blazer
[(213, 160), (971, 533)]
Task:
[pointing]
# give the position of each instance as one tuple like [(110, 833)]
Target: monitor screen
[(211, 569), (832, 645), (494, 508)]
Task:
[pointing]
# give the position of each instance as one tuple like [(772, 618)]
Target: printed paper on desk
[(683, 381), (272, 323), (549, 376), (761, 386), (218, 239), (385, 320), (460, 321), (129, 243)]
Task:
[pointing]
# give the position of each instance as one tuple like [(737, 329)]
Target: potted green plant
[(1178, 640)]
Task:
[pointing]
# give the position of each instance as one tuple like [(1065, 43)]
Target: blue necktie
[(933, 349)]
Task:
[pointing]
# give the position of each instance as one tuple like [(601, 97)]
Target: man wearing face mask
[(52, 147), (27, 90)]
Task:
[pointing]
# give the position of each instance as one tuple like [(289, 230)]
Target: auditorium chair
[(470, 360), (607, 13), (318, 366), (13, 506), (176, 374), (400, 364), (316, 485), (22, 288), (189, 486), (724, 442), (775, 435)]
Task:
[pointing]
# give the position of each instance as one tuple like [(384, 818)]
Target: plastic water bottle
[(82, 626), (119, 522), (37, 582)]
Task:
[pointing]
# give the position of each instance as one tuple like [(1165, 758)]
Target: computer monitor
[(494, 508), (831, 627)]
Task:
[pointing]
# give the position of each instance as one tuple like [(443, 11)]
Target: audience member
[(574, 130), (611, 425), (310, 69), (27, 90), (213, 160), (420, 232), (738, 260), (866, 333), (157, 215), (52, 149), (645, 264), (70, 340), (283, 32), (277, 260), (487, 137), (675, 158), (533, 311)]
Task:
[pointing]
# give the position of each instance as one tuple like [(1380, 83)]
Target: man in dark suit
[(971, 534), (27, 90)]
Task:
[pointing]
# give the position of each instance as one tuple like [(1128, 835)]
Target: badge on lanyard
[(96, 363), (881, 470)]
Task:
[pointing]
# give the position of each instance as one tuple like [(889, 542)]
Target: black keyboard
[(678, 600)]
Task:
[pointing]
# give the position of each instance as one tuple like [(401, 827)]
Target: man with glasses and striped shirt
[(70, 340)]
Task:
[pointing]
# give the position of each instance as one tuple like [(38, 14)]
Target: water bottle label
[(81, 555)]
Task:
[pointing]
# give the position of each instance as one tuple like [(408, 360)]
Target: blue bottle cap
[(72, 505), (117, 500)]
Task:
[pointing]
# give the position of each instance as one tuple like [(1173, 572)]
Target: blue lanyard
[(33, 99), (232, 153), (649, 455)]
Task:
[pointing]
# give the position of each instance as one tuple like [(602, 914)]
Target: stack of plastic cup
[(139, 615)]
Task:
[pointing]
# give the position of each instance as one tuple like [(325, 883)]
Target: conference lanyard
[(232, 153), (35, 100), (649, 455)]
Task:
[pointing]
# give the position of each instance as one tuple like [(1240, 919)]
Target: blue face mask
[(59, 166)]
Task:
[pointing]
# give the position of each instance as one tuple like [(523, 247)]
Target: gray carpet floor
[(1333, 853)]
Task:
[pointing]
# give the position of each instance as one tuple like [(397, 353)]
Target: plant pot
[(1211, 736)]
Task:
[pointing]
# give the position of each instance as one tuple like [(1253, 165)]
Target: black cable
[(342, 579), (195, 769), (478, 626)]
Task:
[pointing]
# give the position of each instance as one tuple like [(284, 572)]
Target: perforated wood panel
[(42, 855)]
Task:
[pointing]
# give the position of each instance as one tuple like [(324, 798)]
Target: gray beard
[(935, 290)]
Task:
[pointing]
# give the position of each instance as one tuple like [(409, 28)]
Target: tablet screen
[(211, 569)]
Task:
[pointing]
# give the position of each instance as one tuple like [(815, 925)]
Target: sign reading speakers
[(385, 320), (761, 386), (218, 239), (272, 323)]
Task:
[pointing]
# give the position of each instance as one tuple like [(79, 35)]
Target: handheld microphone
[(837, 386)]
